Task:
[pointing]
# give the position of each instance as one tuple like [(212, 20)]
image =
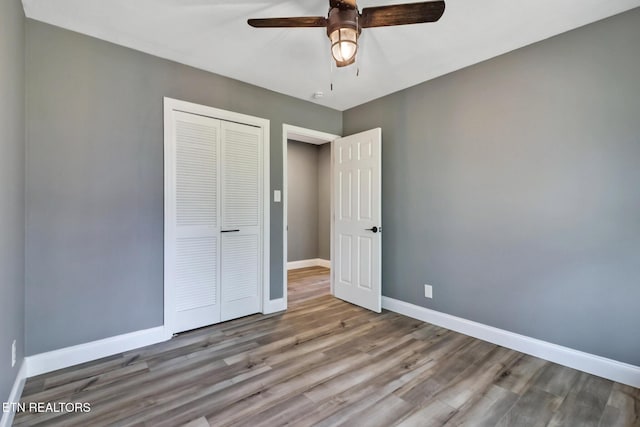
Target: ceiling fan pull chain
[(331, 74), (360, 48), (357, 44)]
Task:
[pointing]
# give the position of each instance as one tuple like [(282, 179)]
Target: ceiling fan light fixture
[(343, 31), (344, 46)]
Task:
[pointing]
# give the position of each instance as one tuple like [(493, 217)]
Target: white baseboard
[(70, 356), (315, 262), (324, 263), (14, 397), (274, 306), (607, 368)]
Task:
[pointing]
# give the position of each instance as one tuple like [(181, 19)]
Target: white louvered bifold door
[(241, 241), (196, 231)]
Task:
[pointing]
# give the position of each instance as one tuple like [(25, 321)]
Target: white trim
[(169, 212), (313, 137), (171, 105), (216, 113), (324, 263), (266, 215), (307, 139), (304, 263), (275, 305), (14, 396), (607, 368), (63, 358), (332, 218), (285, 216), (307, 135)]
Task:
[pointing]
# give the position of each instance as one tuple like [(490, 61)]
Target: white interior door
[(241, 235), (357, 213), (194, 243)]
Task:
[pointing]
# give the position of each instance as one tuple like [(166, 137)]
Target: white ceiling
[(213, 35)]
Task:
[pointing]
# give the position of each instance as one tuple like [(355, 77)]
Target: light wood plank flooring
[(306, 284), (325, 362)]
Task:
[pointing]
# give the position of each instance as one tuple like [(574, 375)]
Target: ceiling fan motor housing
[(340, 23)]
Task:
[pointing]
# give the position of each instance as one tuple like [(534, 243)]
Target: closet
[(214, 219)]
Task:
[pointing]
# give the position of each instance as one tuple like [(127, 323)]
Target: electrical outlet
[(13, 354), (277, 196), (428, 291)]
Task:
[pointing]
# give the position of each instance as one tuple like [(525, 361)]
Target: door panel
[(196, 170), (241, 220), (365, 252), (345, 267), (346, 181), (242, 152), (240, 275), (365, 208), (196, 244), (196, 292), (358, 245)]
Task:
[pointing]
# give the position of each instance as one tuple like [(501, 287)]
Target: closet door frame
[(171, 105)]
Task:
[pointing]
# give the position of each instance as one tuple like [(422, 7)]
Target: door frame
[(171, 105), (312, 137)]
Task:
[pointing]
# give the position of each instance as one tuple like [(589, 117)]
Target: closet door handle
[(229, 231)]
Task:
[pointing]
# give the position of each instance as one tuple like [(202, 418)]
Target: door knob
[(374, 229)]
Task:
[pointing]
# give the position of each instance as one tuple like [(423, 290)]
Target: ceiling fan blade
[(303, 21), (401, 14), (343, 4)]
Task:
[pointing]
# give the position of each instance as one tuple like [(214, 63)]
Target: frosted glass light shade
[(344, 45)]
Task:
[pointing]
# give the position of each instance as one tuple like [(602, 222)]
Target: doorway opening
[(307, 208)]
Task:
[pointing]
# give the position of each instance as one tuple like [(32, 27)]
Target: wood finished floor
[(325, 362)]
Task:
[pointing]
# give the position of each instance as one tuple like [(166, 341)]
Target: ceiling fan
[(345, 22)]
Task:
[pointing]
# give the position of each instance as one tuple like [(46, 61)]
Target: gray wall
[(510, 186), (12, 43), (302, 202), (513, 188), (324, 201), (95, 180)]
